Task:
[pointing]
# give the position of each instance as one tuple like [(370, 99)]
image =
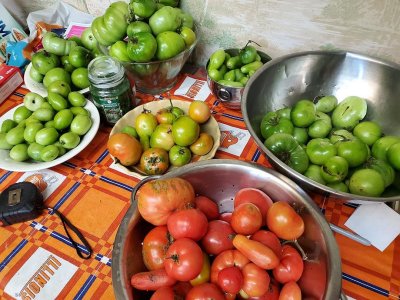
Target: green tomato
[(284, 112), (272, 123), (354, 151), (319, 115), (80, 57), (49, 124), (59, 87), (145, 123), (247, 54), (49, 153), (56, 45), (334, 169), (187, 19), (15, 136), (179, 156), (382, 145), (34, 151), (185, 131), (130, 130), (172, 3), (77, 99), (136, 27), (61, 149), (7, 125), (4, 145), (43, 61), (393, 155), (303, 113), (19, 152), (339, 186), (251, 68), (340, 135), (44, 114), (300, 135), (162, 137), (387, 172), (81, 124), (285, 147), (66, 64), (143, 8), (216, 60), (366, 182), (142, 47), (169, 44), (319, 129), (69, 140), (80, 78), (119, 51), (368, 132), (314, 173), (33, 101), (31, 130), (46, 136), (46, 105), (326, 104), (88, 39), (165, 19), (35, 75), (349, 112), (320, 150), (63, 119), (56, 74), (188, 35), (57, 101), (78, 110), (21, 113)]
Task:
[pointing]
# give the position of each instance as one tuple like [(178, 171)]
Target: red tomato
[(230, 280), (255, 280), (125, 148), (255, 196), (182, 288), (227, 217), (256, 252), (271, 294), (290, 291), (226, 259), (284, 221), (208, 207), (205, 291), (290, 267), (155, 245), (151, 280), (246, 218), (187, 223), (218, 237), (183, 260), (268, 238), (158, 198), (164, 293)]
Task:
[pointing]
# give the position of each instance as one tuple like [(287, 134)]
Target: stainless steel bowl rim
[(298, 176)]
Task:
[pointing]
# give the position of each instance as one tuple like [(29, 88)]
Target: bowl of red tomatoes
[(224, 229)]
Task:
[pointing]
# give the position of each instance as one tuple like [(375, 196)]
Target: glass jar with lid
[(110, 88)]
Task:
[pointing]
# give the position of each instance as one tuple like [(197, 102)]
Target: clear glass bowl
[(156, 77)]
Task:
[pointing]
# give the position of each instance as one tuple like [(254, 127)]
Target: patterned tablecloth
[(37, 261)]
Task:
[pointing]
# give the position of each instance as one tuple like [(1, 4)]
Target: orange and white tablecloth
[(37, 261)]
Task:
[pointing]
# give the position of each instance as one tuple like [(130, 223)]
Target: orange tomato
[(125, 148)]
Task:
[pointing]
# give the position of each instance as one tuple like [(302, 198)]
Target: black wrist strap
[(66, 223)]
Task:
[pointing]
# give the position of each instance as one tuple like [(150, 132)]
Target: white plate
[(38, 87), (211, 127), (7, 163)]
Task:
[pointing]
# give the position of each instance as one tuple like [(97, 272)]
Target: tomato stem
[(298, 247)]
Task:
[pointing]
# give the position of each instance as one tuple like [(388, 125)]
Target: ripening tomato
[(268, 238), (152, 280), (207, 206), (284, 221), (271, 294), (226, 259), (199, 111), (230, 280), (255, 280), (154, 161), (183, 260), (290, 291), (205, 291), (155, 245), (204, 275), (190, 223), (158, 198), (290, 267), (218, 237), (255, 196), (246, 218), (125, 148)]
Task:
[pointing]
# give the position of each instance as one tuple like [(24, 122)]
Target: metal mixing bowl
[(307, 75), (220, 179)]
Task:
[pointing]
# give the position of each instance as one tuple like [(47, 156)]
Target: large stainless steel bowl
[(220, 180), (307, 75)]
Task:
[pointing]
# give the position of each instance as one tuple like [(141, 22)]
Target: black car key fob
[(20, 202)]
